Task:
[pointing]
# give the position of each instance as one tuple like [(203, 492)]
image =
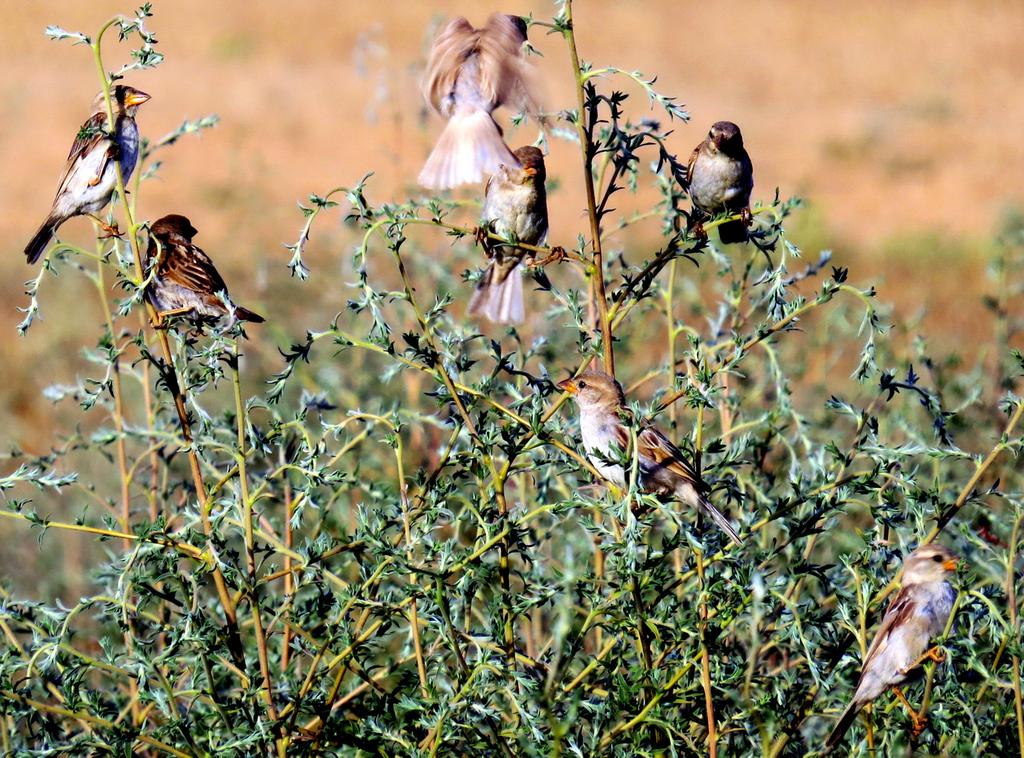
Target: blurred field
[(899, 122)]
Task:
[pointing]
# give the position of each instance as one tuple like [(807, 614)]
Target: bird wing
[(90, 136), (188, 266), (900, 611), (505, 74), (692, 162), (451, 47), (655, 446)]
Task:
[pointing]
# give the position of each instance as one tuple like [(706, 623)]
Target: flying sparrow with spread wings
[(90, 176), (720, 178), (470, 73), (516, 208), (663, 468), (918, 612), (185, 280)]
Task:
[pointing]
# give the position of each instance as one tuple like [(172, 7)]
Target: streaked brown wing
[(654, 445), (900, 610), (189, 267), (690, 164), (89, 137), (450, 49)]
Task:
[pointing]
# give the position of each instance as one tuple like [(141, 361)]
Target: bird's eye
[(583, 385), (937, 558)]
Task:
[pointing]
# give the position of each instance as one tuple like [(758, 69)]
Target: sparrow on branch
[(185, 280), (663, 469), (90, 174), (720, 179)]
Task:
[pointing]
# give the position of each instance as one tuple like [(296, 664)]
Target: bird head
[(929, 563), (725, 137), (531, 160), (518, 22), (123, 98), (594, 389), (171, 225)]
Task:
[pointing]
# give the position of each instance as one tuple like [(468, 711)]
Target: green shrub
[(394, 547)]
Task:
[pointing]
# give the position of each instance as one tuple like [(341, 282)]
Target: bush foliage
[(395, 546)]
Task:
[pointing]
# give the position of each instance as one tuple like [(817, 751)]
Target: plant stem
[(498, 478), (122, 455), (586, 146), (705, 660), (250, 543), (968, 488), (1011, 599), (179, 400), (289, 586), (90, 719)]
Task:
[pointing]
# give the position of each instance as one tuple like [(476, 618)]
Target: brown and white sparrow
[(720, 178), (663, 469), (185, 280), (90, 177), (918, 612), (470, 73), (516, 208)]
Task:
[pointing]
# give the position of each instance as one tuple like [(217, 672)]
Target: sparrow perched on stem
[(515, 207), (470, 73), (663, 469), (185, 280), (918, 612), (90, 176), (720, 178)]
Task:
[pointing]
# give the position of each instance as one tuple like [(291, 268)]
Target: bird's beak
[(136, 98), (531, 172), (568, 385), (950, 565)]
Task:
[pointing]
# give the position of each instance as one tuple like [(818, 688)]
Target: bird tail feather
[(719, 518), (844, 723), (470, 147), (499, 295), (244, 314), (733, 232), (38, 244)]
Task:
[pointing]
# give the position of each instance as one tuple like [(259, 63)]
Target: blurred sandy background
[(900, 122)]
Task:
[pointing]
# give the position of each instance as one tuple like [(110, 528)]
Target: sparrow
[(90, 177), (720, 179), (185, 280), (918, 612), (516, 208), (663, 469), (470, 73)]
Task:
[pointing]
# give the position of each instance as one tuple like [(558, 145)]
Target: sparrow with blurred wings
[(470, 74)]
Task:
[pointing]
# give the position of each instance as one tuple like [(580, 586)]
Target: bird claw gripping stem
[(933, 654), (918, 721), (110, 231), (557, 255)]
